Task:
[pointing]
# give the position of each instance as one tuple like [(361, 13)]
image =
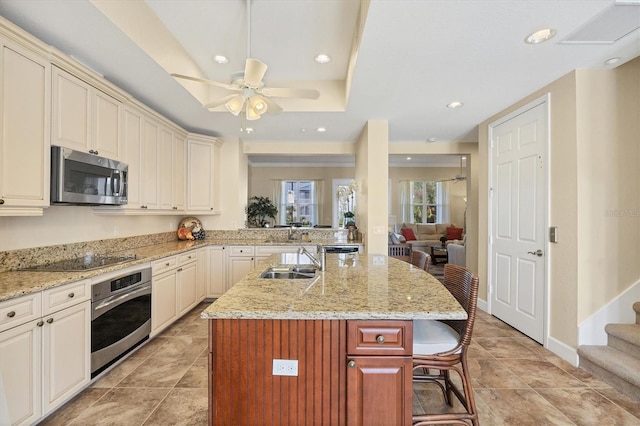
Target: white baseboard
[(563, 350), (618, 311), (482, 304)]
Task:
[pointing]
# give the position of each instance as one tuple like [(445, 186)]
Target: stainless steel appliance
[(120, 317), (81, 178), (343, 248)]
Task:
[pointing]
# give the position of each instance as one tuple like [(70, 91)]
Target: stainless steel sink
[(289, 272)]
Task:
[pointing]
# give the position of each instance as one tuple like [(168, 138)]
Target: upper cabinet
[(24, 131), (85, 118), (203, 176)]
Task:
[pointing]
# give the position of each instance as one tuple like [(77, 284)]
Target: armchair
[(457, 253)]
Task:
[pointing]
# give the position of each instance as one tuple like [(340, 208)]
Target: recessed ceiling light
[(322, 58), (321, 129), (455, 104), (408, 158), (303, 130), (432, 140), (248, 130), (220, 59), (612, 61), (540, 36)]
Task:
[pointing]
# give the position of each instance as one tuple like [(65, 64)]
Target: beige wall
[(593, 142)]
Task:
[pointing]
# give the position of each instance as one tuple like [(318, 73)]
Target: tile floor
[(516, 382)]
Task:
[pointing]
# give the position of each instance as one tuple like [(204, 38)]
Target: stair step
[(636, 307), (620, 370), (625, 338)]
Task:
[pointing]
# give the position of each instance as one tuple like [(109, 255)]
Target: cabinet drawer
[(241, 250), (64, 296), (162, 265), (187, 257), (20, 310), (379, 337)]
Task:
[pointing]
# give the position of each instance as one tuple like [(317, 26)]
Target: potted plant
[(349, 218), (443, 240), (258, 210)]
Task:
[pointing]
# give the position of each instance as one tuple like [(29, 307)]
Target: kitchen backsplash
[(22, 258)]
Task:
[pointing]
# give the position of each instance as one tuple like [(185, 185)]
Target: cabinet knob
[(179, 269), (1, 201), (352, 364), (71, 295), (50, 320), (11, 314), (40, 323), (166, 264), (380, 339), (174, 207), (211, 208)]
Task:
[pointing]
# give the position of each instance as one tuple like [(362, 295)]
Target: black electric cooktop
[(85, 263)]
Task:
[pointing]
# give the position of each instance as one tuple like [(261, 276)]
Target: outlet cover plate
[(285, 367)]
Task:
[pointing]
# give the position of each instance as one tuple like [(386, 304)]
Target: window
[(424, 207), (298, 203)]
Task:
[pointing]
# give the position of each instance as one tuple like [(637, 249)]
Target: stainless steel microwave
[(81, 178)]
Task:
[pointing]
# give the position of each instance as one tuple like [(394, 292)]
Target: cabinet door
[(163, 300), (150, 165), (379, 390), (179, 177), (71, 111), (21, 378), (132, 146), (187, 287), (203, 273), (217, 270), (24, 129), (200, 180), (107, 122), (66, 354), (238, 267), (165, 169)]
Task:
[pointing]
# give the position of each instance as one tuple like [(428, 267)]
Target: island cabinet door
[(379, 390)]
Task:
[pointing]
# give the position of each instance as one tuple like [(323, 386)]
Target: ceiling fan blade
[(272, 107), (209, 82), (286, 92), (254, 70), (219, 102)]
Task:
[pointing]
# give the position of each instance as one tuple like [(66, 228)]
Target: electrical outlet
[(285, 367)]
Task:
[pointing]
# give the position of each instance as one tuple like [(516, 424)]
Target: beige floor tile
[(476, 351), (157, 373), (188, 407), (114, 376), (580, 374), (587, 407), (521, 407), (196, 376), (150, 347), (197, 328), (74, 408), (492, 374), (541, 374), (122, 407), (184, 347), (630, 405), (505, 347)]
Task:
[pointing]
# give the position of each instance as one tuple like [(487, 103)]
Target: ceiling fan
[(457, 178), (250, 93)]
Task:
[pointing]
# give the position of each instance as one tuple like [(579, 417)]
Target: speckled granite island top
[(352, 287)]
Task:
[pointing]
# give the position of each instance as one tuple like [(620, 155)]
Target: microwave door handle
[(115, 183)]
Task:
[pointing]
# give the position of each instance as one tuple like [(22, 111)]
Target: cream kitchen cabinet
[(25, 102), (85, 118), (240, 261), (217, 271), (204, 273), (203, 174), (173, 289), (132, 149), (44, 351), (163, 168)]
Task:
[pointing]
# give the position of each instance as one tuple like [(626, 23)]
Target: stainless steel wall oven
[(120, 317)]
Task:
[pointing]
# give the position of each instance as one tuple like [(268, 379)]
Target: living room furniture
[(441, 346), (421, 235), (438, 251), (400, 251), (457, 253), (421, 259)]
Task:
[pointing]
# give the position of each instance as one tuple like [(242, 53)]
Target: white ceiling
[(413, 57)]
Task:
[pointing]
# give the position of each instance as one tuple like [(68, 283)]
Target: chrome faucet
[(320, 261)]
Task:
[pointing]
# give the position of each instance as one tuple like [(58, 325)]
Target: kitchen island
[(346, 336)]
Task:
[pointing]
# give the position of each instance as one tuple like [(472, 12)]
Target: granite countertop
[(354, 286), (18, 283)]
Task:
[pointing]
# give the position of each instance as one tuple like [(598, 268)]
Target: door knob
[(537, 252)]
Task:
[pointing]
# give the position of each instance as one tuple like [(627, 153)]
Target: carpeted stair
[(618, 363)]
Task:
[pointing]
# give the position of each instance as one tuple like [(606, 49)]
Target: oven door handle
[(114, 301)]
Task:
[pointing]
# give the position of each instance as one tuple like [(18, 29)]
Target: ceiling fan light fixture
[(235, 105), (258, 104), (251, 114)]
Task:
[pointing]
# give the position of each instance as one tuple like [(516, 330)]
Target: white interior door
[(518, 219)]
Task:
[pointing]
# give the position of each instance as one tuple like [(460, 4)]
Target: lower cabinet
[(174, 289), (379, 372), (45, 360), (217, 284)]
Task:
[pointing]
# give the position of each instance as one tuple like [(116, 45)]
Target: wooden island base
[(350, 372)]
